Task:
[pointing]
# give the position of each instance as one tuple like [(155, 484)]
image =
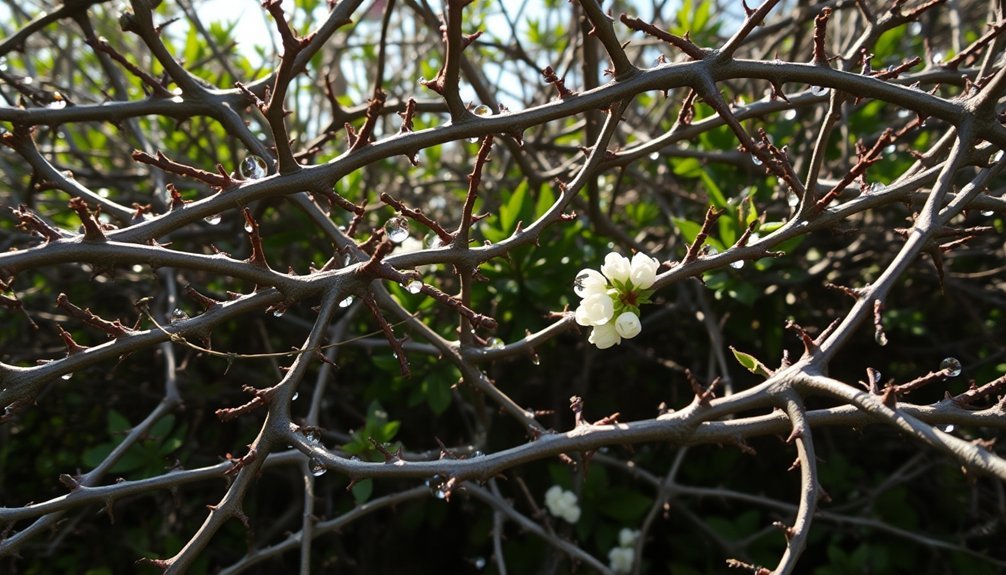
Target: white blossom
[(627, 537), (643, 270), (590, 282), (562, 503), (627, 325), (604, 336), (596, 309), (616, 267), (620, 559)]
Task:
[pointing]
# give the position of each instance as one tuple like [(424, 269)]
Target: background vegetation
[(223, 352)]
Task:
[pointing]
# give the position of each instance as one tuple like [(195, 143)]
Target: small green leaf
[(362, 490), (751, 363)]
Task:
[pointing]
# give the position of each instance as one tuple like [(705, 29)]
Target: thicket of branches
[(318, 313)]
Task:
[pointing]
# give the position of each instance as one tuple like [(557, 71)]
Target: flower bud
[(627, 325), (616, 267), (643, 270)]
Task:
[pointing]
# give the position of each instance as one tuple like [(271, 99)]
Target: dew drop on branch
[(397, 228), (213, 219), (296, 394), (66, 376), (414, 287), (317, 467), (178, 314), (253, 167), (496, 343), (951, 365), (432, 241), (819, 90), (482, 110), (737, 264), (346, 302), (437, 486), (880, 337)]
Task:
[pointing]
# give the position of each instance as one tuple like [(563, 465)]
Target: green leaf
[(117, 423), (545, 200), (510, 211), (438, 394), (623, 505), (751, 363), (362, 490), (716, 196), (689, 229)]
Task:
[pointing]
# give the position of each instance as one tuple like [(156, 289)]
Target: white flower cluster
[(621, 558), (610, 299), (562, 503)]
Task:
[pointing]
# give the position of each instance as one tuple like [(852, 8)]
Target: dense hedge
[(322, 305)]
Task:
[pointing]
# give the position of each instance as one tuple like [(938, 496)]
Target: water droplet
[(346, 302), (938, 58), (414, 287), (755, 160), (874, 188), (178, 314), (737, 264), (3, 64), (253, 167), (28, 80), (478, 453), (880, 337), (535, 360), (213, 219), (988, 213), (296, 394), (310, 438), (437, 486), (496, 343), (278, 312), (422, 80), (249, 227), (655, 156), (482, 110), (66, 376), (951, 365), (397, 229), (480, 563), (177, 99), (948, 428), (432, 241), (915, 28), (317, 467), (792, 200), (819, 90), (998, 156), (58, 104)]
